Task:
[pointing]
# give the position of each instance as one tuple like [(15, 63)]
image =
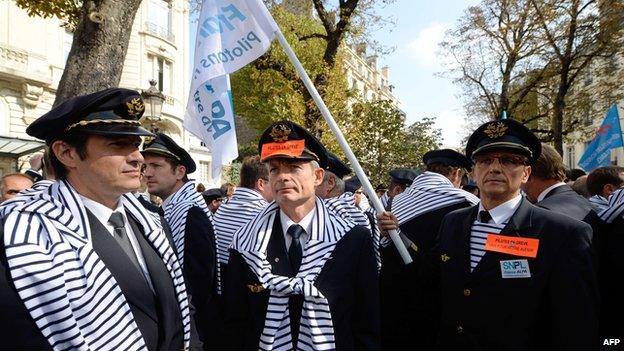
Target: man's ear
[(180, 172), (65, 153), (319, 173)]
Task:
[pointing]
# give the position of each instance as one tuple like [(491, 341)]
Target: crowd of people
[(108, 244)]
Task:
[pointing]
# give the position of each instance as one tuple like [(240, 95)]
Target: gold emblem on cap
[(280, 132), (148, 140), (135, 107), (496, 130), (444, 258)]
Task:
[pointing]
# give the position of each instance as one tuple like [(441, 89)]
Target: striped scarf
[(615, 208), (344, 206), (70, 294), (175, 212), (599, 203), (233, 215), (429, 191), (316, 330), (155, 216), (385, 200)]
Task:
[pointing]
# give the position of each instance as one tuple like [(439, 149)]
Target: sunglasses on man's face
[(506, 161)]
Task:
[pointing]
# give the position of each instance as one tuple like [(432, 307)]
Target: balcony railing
[(159, 31)]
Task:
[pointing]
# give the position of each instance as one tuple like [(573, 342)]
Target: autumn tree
[(578, 32), (526, 57), (495, 56), (381, 141)]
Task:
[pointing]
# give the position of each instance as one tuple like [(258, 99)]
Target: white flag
[(211, 119), (230, 34)]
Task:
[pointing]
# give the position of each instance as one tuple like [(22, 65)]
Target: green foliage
[(66, 10), (270, 90), (381, 142)]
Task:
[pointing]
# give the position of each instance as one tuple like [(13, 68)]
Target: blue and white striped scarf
[(70, 294), (233, 215), (176, 210), (429, 192), (344, 206), (316, 331), (600, 203), (615, 207)]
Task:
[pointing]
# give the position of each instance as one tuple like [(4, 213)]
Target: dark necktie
[(117, 221), (161, 212), (295, 253), (484, 216)]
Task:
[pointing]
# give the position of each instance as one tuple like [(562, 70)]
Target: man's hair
[(76, 140), (580, 186), (574, 173), (549, 165), (252, 170), (4, 177), (442, 169), (174, 164), (339, 189), (599, 177)]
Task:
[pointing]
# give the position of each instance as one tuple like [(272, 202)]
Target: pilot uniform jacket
[(553, 309), (409, 297), (348, 280), (156, 314)]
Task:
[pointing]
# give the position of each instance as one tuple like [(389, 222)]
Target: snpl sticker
[(515, 269)]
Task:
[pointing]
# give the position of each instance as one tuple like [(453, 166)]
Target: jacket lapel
[(130, 280)]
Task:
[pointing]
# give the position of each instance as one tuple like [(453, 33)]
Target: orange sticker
[(512, 245), (292, 148)]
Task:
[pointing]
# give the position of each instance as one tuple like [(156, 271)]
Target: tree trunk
[(99, 48), (559, 111)]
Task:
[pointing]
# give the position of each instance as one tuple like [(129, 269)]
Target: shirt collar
[(545, 192), (102, 212), (504, 211), (305, 222)]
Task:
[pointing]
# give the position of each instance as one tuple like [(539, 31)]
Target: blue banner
[(608, 136)]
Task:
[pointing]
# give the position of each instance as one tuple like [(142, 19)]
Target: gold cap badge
[(135, 107), (280, 132), (444, 257), (496, 130), (255, 288)]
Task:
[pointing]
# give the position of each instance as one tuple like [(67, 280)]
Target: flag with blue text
[(230, 34), (608, 136)]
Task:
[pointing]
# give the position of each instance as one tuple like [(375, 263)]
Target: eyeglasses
[(506, 161)]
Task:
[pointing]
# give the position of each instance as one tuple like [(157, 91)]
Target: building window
[(571, 157), (161, 70), (204, 172), (159, 19)]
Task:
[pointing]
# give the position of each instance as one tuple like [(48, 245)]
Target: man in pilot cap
[(214, 198), (409, 304), (83, 264), (299, 275), (513, 276), (400, 179), (167, 166)]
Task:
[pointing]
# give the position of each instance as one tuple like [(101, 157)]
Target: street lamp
[(154, 99)]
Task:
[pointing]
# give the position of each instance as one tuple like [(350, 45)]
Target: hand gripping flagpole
[(342, 141)]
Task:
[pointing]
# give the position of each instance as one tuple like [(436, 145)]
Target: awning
[(15, 147)]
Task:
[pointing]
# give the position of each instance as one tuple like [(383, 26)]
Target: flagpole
[(342, 141)]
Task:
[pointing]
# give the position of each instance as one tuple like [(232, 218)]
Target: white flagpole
[(342, 141)]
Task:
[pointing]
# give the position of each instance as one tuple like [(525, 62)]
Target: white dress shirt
[(502, 212), (305, 223), (103, 213)]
